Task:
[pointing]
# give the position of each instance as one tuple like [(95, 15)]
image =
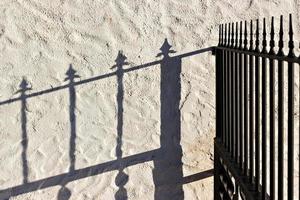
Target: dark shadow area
[(167, 173), (122, 177), (197, 177), (71, 75), (24, 87), (64, 193)]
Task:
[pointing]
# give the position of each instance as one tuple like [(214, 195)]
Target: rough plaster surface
[(39, 39)]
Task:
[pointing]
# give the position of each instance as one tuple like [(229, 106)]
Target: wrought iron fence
[(246, 122)]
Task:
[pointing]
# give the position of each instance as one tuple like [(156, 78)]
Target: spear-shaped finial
[(257, 36), (225, 36), (71, 74), (245, 37), (236, 35), (251, 36), (272, 34), (241, 35), (264, 41), (165, 49), (232, 35), (228, 42), (222, 35), (120, 61), (291, 42), (165, 46), (24, 86), (219, 44), (280, 43)]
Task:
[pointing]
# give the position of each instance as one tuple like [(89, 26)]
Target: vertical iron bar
[(233, 91), (218, 89), (257, 111), (280, 114), (291, 114), (272, 113), (223, 83), (229, 91), (219, 115), (251, 107), (241, 100), (237, 99), (245, 103), (216, 175), (264, 113), (226, 88)]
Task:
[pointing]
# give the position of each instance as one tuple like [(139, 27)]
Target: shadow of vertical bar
[(121, 178), (167, 172), (24, 88), (64, 193)]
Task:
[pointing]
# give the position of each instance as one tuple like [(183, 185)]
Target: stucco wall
[(39, 39)]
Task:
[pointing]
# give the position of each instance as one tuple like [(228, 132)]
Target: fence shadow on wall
[(167, 173)]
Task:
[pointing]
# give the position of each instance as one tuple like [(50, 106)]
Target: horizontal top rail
[(263, 55)]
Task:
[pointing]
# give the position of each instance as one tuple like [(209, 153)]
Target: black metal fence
[(250, 161)]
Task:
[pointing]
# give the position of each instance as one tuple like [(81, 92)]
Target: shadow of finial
[(165, 49), (24, 86), (120, 61), (71, 74)]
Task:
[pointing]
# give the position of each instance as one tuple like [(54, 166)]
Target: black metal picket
[(245, 114)]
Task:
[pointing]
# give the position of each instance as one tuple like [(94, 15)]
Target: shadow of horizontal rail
[(47, 91), (198, 176), (81, 173), (93, 171)]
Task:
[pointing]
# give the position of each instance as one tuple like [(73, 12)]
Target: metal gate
[(246, 121)]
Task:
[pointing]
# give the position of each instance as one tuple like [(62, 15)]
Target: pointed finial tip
[(166, 49), (291, 20), (120, 57), (166, 45), (24, 84), (70, 70), (245, 24), (71, 73)]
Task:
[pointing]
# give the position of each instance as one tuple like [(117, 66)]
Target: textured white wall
[(39, 39)]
